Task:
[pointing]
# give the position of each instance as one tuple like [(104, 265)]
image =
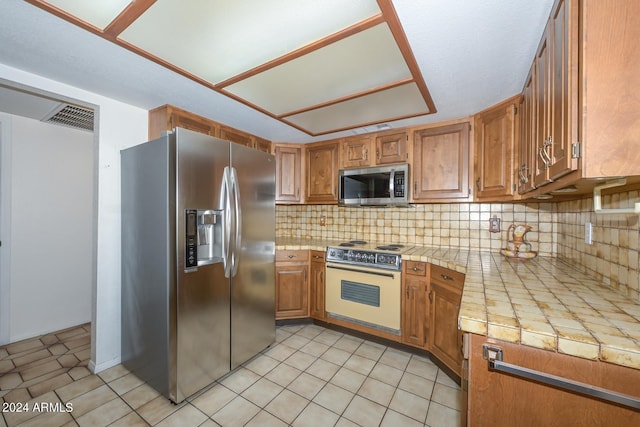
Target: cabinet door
[(355, 152), (167, 117), (322, 173), (543, 111), (441, 163), (415, 305), (317, 285), (391, 148), (236, 136), (527, 136), (291, 291), (288, 173), (262, 144), (564, 88), (495, 140), (443, 325)]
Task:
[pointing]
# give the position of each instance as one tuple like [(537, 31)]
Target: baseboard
[(104, 365)]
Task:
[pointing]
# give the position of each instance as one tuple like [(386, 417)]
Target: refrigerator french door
[(198, 249)]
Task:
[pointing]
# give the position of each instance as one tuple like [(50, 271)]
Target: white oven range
[(364, 286)]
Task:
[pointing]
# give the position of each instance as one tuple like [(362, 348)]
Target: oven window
[(366, 186), (360, 293)]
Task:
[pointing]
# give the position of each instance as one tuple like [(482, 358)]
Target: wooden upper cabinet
[(288, 173), (167, 117), (391, 148), (262, 144), (355, 152), (441, 162), (495, 139), (236, 136), (526, 140), (322, 172)]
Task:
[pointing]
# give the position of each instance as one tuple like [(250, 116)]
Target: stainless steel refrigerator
[(198, 259)]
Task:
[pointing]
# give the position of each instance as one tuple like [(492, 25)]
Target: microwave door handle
[(392, 183)]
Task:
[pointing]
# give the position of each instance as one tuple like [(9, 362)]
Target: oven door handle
[(377, 273)]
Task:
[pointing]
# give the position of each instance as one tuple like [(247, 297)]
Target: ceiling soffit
[(320, 67)]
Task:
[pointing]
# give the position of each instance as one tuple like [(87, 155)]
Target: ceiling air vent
[(71, 116)]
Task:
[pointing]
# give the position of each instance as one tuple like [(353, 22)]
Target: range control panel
[(374, 259)]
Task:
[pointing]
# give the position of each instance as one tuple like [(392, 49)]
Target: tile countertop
[(543, 303)]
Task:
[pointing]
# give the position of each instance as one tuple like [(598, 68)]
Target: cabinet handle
[(478, 184), (446, 277), (317, 257), (291, 256), (414, 268), (407, 292), (431, 296), (365, 153), (378, 154), (415, 187)]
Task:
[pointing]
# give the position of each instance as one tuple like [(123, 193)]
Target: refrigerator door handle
[(238, 219), (225, 202)]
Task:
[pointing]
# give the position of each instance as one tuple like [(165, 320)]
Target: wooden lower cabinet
[(292, 284), (415, 304), (317, 285), (444, 297), (497, 399)]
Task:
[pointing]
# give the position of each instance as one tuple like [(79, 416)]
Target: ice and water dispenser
[(203, 238)]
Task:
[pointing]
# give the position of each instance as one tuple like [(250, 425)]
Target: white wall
[(118, 126), (51, 227)]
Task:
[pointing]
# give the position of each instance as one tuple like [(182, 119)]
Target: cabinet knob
[(291, 256), (446, 277)]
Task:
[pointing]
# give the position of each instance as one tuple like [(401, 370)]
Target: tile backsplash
[(557, 230), (458, 225)]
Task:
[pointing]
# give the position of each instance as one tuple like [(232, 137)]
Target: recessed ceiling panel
[(399, 102), (218, 39), (364, 61), (97, 13)]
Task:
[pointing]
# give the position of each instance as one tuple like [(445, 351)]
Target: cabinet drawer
[(447, 277), (317, 256), (292, 256), (415, 268)]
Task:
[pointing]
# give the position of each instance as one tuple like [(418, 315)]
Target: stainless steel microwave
[(374, 186)]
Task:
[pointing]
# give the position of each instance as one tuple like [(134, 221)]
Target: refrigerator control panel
[(191, 240)]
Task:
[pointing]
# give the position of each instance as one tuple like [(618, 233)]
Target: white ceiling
[(471, 54)]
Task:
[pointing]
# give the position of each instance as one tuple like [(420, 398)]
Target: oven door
[(364, 295)]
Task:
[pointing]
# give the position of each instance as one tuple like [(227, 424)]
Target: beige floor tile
[(283, 374), (239, 380), (125, 383), (315, 348), (50, 384), (49, 339), (49, 419), (442, 416), (343, 422), (22, 346), (296, 342), (187, 416), (15, 418), (360, 364), (311, 331), (371, 351), (347, 343), (70, 333), (130, 420), (364, 412), (83, 355), (387, 374), (336, 356), (214, 399), (377, 391), (348, 379), (334, 398), (410, 405), (236, 413), (6, 366), (104, 414), (58, 349), (323, 369), (422, 367), (265, 419), (280, 352), (287, 406), (10, 381), (300, 360), (394, 419), (39, 370), (328, 337), (447, 396), (18, 395), (34, 356), (113, 373), (417, 385), (306, 385), (79, 372), (68, 361), (262, 364), (262, 392), (395, 359), (140, 395), (44, 377), (157, 409), (315, 416), (92, 400), (77, 388)]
